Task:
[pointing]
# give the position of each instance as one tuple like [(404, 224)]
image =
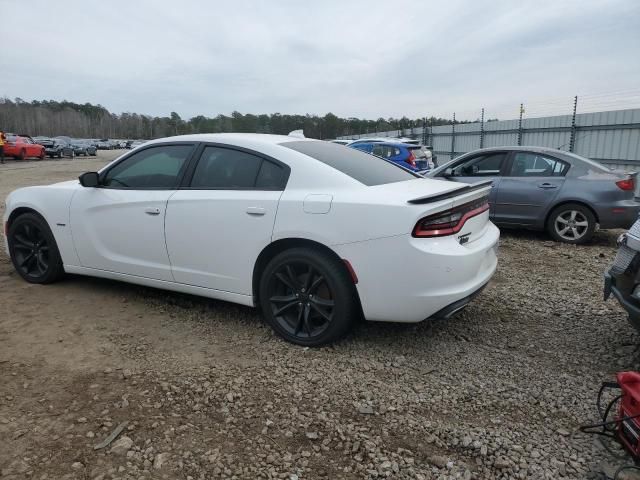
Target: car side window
[(378, 151), (152, 168), (529, 164), (270, 176), (226, 168), (488, 165)]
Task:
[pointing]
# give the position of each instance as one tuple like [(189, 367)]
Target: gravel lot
[(207, 391)]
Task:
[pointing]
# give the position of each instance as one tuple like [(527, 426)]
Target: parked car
[(413, 157), (137, 143), (83, 147), (546, 189), (622, 278), (105, 144), (55, 147), (305, 229), (21, 147)]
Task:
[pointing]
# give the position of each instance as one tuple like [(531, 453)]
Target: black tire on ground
[(33, 249), (22, 155), (571, 223), (59, 154), (308, 297)]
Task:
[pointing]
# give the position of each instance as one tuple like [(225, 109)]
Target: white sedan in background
[(314, 233)]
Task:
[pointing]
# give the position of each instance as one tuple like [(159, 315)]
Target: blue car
[(412, 157)]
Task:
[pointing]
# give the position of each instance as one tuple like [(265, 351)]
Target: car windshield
[(360, 166)]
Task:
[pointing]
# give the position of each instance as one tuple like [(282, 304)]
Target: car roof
[(521, 148), (392, 144), (254, 138)]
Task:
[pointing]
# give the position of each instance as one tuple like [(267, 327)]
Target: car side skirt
[(163, 284)]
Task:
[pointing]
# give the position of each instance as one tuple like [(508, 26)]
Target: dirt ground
[(207, 391)]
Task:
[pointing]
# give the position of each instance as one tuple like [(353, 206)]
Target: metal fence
[(611, 137)]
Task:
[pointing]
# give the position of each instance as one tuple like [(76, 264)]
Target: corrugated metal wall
[(611, 137)]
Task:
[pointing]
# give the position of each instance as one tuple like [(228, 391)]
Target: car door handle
[(152, 211), (256, 211), (547, 185)]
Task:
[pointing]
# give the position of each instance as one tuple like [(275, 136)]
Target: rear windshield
[(593, 163), (360, 166), (418, 152)]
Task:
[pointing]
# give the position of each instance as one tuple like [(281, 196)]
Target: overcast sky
[(353, 58)]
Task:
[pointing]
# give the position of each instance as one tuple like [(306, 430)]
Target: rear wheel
[(22, 155), (33, 249), (308, 297), (41, 156), (571, 223)]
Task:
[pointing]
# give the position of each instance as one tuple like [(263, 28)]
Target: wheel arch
[(16, 212), (566, 202), (283, 244)]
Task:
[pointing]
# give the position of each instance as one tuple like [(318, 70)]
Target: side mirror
[(89, 179), (448, 172)]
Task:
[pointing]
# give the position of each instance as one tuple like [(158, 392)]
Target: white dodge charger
[(315, 234)]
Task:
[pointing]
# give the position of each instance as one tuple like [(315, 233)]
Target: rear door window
[(229, 169), (361, 167), (529, 164)]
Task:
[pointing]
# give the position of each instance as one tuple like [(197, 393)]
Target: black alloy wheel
[(33, 250), (308, 297)]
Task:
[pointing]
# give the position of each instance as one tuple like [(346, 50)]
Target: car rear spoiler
[(452, 193)]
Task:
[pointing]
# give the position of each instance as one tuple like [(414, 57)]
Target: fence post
[(572, 141), (520, 125), (424, 131), (482, 129), (453, 136)]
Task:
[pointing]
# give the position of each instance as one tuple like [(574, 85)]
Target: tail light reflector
[(626, 184), (450, 221), (412, 159)]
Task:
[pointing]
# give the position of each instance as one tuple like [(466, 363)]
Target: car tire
[(571, 223), (41, 157), (22, 155), (33, 249), (308, 297), (60, 155)]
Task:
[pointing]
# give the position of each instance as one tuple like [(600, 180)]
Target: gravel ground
[(204, 390)]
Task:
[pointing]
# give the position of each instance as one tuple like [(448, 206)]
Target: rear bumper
[(623, 298), (620, 214), (450, 310), (406, 279)]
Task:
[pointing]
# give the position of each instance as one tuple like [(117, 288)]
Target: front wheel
[(33, 249), (22, 155), (571, 223), (308, 297)]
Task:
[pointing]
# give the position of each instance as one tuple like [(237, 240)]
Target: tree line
[(53, 118)]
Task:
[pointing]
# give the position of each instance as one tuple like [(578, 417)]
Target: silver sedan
[(546, 189)]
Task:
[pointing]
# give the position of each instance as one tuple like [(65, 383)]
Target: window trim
[(185, 184), (181, 174), (513, 154)]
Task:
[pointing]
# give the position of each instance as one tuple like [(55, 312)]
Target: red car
[(21, 147)]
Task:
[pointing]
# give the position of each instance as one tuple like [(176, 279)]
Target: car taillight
[(412, 159), (450, 221), (626, 184)]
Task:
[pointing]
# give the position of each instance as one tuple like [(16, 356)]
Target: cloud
[(355, 58)]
